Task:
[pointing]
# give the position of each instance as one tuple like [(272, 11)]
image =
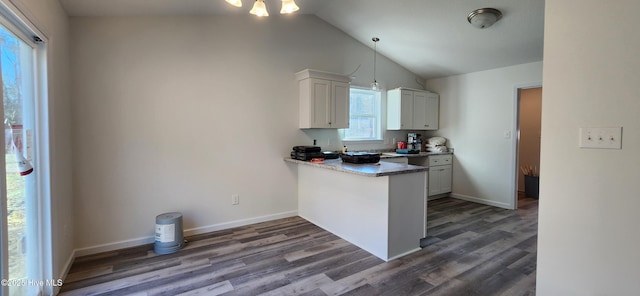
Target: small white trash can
[(169, 236)]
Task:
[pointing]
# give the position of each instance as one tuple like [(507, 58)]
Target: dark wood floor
[(472, 249)]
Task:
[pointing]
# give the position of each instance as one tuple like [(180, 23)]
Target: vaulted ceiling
[(431, 38)]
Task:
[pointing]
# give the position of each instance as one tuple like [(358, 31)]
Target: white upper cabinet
[(324, 99), (406, 110), (409, 109)]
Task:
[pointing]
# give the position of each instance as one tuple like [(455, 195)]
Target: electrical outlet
[(235, 199)]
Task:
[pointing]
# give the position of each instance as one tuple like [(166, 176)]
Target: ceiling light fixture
[(289, 6), (260, 9), (484, 17), (374, 84), (236, 3)]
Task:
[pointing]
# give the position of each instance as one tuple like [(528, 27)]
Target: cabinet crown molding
[(411, 89), (308, 73)]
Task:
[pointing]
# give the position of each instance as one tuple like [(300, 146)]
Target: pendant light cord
[(375, 55)]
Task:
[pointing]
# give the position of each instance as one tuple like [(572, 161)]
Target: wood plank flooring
[(472, 249)]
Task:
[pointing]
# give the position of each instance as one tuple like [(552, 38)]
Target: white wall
[(476, 110), (179, 113), (49, 17), (588, 221)]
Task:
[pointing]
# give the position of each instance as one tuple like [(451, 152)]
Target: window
[(365, 115)]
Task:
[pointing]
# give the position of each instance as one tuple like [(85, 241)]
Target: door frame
[(19, 23), (515, 139)]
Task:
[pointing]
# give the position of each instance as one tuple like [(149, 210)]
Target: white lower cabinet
[(440, 179), (440, 173)]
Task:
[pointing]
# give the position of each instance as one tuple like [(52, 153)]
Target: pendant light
[(236, 3), (289, 6), (259, 9), (374, 84)]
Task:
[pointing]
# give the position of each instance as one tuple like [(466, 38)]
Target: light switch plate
[(601, 137)]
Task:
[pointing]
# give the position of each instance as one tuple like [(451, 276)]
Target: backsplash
[(329, 140)]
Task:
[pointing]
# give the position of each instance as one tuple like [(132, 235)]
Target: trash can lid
[(168, 217)]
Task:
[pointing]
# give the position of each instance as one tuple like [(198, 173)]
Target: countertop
[(369, 170), (421, 154)]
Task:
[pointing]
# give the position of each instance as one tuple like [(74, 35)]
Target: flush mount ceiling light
[(484, 17), (260, 9), (374, 84)]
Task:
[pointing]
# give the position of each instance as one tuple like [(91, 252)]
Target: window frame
[(15, 21), (381, 108)]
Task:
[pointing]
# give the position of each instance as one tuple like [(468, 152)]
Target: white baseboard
[(65, 270), (237, 223), (482, 201), (187, 232)]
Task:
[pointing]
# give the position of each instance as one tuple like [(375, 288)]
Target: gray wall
[(179, 113)]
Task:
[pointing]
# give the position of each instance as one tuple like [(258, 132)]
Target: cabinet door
[(445, 179), (406, 109), (320, 96), (425, 111), (432, 111), (339, 105), (434, 181), (440, 179), (419, 111)]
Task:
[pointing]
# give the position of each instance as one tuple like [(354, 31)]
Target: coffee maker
[(413, 141)]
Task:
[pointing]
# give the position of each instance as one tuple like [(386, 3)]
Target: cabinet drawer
[(435, 160)]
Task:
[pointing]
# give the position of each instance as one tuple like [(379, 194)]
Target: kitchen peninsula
[(380, 208)]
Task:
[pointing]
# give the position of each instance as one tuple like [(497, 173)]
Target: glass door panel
[(16, 63)]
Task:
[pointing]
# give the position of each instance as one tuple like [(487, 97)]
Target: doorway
[(529, 114)]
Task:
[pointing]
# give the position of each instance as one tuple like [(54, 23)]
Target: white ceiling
[(431, 38)]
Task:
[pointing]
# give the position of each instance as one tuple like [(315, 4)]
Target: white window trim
[(383, 121)]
